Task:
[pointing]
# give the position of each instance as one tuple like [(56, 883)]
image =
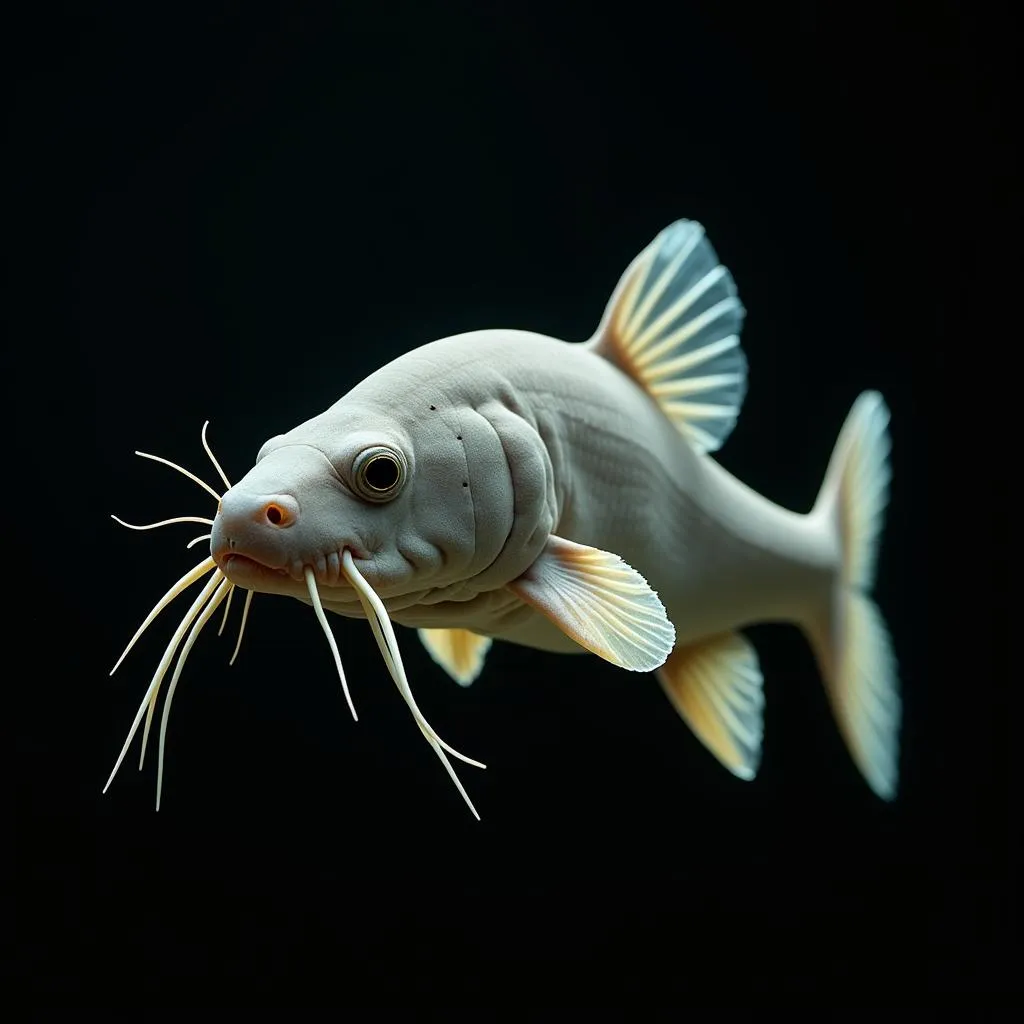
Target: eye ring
[(379, 473)]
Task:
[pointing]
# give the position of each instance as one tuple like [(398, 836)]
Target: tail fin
[(850, 639)]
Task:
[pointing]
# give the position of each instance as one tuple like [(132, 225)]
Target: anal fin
[(716, 686), (459, 652)]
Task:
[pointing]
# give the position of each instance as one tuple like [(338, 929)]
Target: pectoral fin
[(458, 651), (715, 686), (599, 601)]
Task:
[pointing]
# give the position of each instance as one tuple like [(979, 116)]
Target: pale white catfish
[(504, 485)]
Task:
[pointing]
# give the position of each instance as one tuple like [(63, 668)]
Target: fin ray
[(693, 385), (643, 309), (659, 345)]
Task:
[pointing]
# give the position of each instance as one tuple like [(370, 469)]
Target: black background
[(238, 216)]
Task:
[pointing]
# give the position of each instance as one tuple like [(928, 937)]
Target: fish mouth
[(237, 559), (253, 573), (248, 572)]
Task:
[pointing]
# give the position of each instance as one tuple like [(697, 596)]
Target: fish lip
[(224, 558), (232, 561), (244, 569)]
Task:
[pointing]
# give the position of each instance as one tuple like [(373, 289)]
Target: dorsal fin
[(673, 324)]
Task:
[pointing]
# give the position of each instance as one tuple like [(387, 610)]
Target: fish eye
[(379, 473)]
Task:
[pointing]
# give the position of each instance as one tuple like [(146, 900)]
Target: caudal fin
[(850, 638)]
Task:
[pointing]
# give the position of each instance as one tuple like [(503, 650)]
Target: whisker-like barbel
[(167, 462), (212, 595), (436, 743), (388, 643), (165, 662), (213, 458), (389, 649), (227, 611), (241, 628), (165, 522), (218, 596), (397, 673), (384, 634), (314, 596), (151, 711), (194, 574)]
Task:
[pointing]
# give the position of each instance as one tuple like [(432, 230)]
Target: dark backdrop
[(238, 216)]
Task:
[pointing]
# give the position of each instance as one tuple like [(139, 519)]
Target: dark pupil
[(381, 473)]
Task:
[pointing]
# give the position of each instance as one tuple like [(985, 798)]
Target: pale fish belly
[(496, 613)]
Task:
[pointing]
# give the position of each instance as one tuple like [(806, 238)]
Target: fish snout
[(252, 526)]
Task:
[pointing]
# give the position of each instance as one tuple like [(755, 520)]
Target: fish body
[(505, 485), (595, 461)]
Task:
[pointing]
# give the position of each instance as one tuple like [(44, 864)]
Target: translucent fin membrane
[(674, 325)]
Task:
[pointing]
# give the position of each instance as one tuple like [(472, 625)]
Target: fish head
[(420, 494)]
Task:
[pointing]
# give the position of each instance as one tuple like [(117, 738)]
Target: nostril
[(276, 515)]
